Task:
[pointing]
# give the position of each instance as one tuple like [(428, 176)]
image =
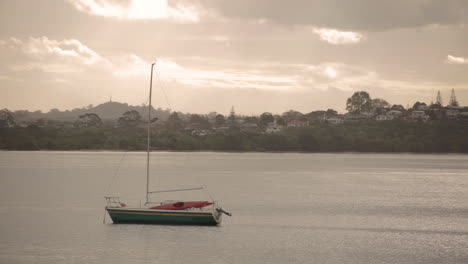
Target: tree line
[(394, 136), (89, 132)]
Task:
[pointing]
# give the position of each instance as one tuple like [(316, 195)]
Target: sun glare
[(330, 72)]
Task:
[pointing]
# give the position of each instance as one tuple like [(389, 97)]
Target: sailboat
[(166, 212)]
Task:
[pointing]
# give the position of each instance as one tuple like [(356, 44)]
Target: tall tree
[(280, 120), (174, 117), (318, 115), (398, 107), (359, 102), (174, 122), (418, 105), (251, 119), (219, 120), (438, 98), (379, 103), (6, 119), (453, 99), (292, 115), (331, 112), (194, 118), (232, 115), (266, 118), (129, 118), (88, 120)]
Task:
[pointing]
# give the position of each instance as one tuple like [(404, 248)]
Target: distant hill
[(106, 111)]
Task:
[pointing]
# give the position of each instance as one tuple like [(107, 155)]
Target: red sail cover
[(182, 205)]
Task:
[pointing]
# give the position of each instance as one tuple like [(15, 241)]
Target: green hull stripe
[(171, 214)]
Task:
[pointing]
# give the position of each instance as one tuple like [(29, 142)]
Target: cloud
[(269, 76), (361, 15), (222, 79), (48, 55), (70, 63), (456, 60), (69, 56), (128, 66), (337, 37), (137, 9), (72, 56), (67, 48)]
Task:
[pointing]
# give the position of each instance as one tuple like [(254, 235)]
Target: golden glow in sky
[(331, 72)]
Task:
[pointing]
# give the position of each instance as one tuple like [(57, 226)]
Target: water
[(287, 208)]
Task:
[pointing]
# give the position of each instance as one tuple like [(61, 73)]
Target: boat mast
[(149, 130)]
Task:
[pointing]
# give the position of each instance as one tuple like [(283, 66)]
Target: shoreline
[(237, 152)]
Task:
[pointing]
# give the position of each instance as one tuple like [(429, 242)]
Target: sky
[(256, 55)]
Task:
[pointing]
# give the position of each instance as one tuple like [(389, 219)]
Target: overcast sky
[(255, 55)]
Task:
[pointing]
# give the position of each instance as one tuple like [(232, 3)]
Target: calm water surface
[(287, 208)]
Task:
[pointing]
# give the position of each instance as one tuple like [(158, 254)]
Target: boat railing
[(177, 190), (113, 201)]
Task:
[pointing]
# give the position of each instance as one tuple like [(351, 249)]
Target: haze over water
[(287, 208)]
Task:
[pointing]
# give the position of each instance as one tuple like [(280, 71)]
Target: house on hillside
[(249, 127), (418, 115), (200, 132), (222, 130), (463, 113), (357, 117), (398, 108), (384, 117), (273, 127), (422, 107), (389, 114), (297, 123), (369, 114), (192, 126), (334, 120), (382, 110), (451, 112), (394, 113)]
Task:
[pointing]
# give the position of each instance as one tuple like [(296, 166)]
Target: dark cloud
[(366, 15)]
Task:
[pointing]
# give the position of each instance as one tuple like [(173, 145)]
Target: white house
[(394, 113), (249, 127), (297, 123), (452, 112), (334, 120), (384, 117), (200, 132), (273, 127), (419, 115), (422, 107)]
